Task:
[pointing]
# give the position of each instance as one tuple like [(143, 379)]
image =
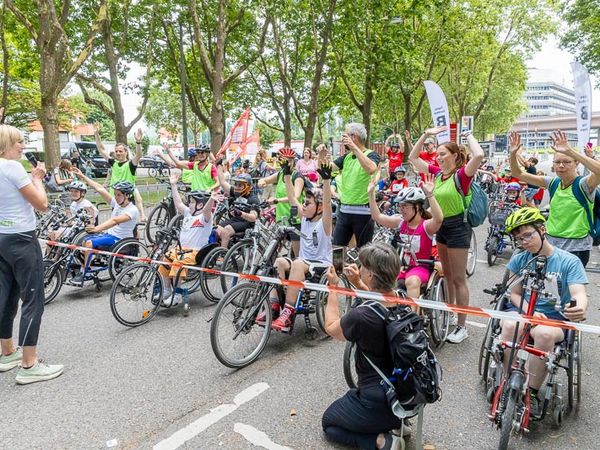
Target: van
[(88, 153)]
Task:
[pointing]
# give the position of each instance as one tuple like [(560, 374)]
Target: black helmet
[(200, 196), (203, 148), (125, 187)]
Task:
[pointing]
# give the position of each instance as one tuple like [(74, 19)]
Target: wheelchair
[(509, 397)]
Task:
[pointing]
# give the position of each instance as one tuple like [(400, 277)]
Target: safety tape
[(351, 292)]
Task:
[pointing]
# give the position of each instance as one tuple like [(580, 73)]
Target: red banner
[(238, 135)]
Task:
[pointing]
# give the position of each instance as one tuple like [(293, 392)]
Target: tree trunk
[(49, 121), (366, 107)]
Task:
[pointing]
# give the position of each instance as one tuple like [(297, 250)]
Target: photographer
[(21, 270), (362, 417)]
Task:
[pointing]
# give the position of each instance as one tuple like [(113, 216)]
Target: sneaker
[(40, 371), (9, 362), (535, 406), (177, 299), (392, 442), (77, 279), (285, 320), (458, 335), (275, 310)]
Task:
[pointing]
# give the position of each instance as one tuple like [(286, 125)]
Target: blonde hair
[(9, 135)]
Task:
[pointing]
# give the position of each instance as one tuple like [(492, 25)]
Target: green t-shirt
[(448, 197), (187, 176), (282, 209), (354, 183), (567, 218), (121, 171), (202, 180)]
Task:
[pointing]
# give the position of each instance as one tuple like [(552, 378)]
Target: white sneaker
[(458, 335), (177, 299)]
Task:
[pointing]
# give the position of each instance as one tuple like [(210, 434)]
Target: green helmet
[(524, 216)]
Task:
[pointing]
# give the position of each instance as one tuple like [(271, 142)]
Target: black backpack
[(417, 374)]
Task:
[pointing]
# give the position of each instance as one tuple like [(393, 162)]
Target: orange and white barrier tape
[(367, 295)]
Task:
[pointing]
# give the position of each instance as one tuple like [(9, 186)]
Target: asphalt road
[(139, 388)]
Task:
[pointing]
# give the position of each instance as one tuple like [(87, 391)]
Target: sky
[(549, 64)]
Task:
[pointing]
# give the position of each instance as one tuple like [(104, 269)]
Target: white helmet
[(78, 185), (410, 195)]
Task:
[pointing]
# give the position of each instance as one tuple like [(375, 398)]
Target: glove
[(236, 212), (325, 171), (219, 162), (285, 168)]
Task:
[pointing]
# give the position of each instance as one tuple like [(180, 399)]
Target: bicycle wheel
[(574, 372), (484, 351), (153, 172), (53, 280), (492, 250), (439, 322), (344, 301), (240, 258), (158, 218), (508, 417), (136, 294), (237, 340), (210, 284), (129, 247), (350, 374), (472, 259)]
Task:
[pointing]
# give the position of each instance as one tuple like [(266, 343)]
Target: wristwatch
[(275, 201)]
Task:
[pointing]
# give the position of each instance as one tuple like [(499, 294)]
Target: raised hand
[(514, 140), (428, 184), (325, 171), (371, 187), (97, 127), (76, 171), (138, 135), (352, 274), (560, 143), (407, 135), (435, 130), (332, 276), (174, 177)]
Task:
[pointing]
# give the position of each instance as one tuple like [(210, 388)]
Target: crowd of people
[(428, 210)]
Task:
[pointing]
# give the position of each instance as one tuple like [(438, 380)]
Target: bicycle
[(160, 170), (237, 339), (472, 255), (497, 239), (507, 389)]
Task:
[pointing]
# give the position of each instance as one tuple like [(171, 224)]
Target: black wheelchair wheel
[(136, 295), (128, 247), (210, 284), (574, 372), (344, 301), (439, 321), (350, 366), (508, 417), (158, 218), (53, 280), (236, 338), (242, 257), (472, 255)]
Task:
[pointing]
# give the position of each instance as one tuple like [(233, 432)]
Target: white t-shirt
[(195, 230), (125, 229), (16, 213), (81, 204), (315, 245)]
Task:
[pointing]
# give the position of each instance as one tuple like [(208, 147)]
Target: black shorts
[(347, 225), (239, 226), (455, 232)]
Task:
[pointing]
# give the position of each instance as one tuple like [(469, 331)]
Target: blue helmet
[(192, 152), (125, 187)]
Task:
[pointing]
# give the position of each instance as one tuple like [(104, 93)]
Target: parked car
[(150, 161), (88, 152)]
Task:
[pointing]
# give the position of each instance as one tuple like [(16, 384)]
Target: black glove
[(325, 171), (219, 162), (285, 168), (236, 212)]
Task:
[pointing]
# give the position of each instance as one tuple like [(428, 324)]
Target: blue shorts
[(102, 241)]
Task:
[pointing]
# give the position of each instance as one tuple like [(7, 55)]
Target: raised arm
[(99, 143), (560, 144), (515, 146), (437, 216), (221, 178), (409, 144), (166, 158), (367, 164), (173, 180), (178, 164), (413, 157), (94, 185), (325, 156), (324, 171), (289, 187), (476, 155), (138, 147), (384, 220)]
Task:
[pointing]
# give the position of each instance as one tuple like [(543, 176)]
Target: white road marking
[(481, 261), (477, 324), (180, 437), (257, 437)]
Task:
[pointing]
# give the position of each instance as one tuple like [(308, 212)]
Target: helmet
[(395, 145), (507, 169), (78, 185), (203, 148), (192, 152), (315, 193), (489, 168), (400, 169), (524, 216), (410, 195), (430, 140), (242, 178), (125, 187), (513, 186), (200, 196), (286, 152)]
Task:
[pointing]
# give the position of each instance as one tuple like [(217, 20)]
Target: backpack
[(417, 374), (477, 210), (593, 217)]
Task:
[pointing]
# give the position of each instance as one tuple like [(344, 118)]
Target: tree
[(581, 36), (164, 110), (127, 38), (62, 52)]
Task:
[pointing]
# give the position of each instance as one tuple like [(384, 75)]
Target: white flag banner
[(583, 103), (439, 109)]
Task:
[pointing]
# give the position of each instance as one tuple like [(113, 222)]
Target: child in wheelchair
[(316, 247), (416, 226), (567, 279), (77, 191), (196, 231)]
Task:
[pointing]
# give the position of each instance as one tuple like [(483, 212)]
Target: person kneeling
[(316, 250), (196, 230), (527, 226)]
